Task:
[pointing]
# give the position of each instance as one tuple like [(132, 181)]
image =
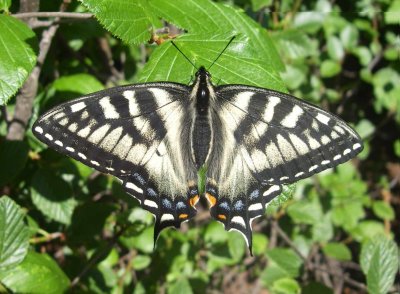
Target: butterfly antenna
[(227, 45), (177, 48)]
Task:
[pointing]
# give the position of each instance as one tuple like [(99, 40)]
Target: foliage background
[(65, 227)]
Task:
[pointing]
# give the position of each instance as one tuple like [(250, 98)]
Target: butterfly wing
[(134, 133), (270, 139)]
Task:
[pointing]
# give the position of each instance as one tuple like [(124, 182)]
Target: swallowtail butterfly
[(155, 137)]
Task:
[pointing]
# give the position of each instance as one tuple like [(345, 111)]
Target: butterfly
[(155, 137)]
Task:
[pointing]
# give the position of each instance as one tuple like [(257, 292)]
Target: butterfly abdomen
[(201, 138)]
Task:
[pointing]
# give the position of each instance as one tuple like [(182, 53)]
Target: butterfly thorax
[(201, 133)]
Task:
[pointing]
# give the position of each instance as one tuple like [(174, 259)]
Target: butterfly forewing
[(134, 133)]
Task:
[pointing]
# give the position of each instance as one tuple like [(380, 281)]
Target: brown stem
[(24, 100), (98, 256), (56, 14)]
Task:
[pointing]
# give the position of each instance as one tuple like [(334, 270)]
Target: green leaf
[(181, 286), (13, 158), (236, 245), (330, 68), (367, 229), (305, 211), (349, 37), (53, 196), (18, 48), (396, 147), (335, 48), (14, 234), (294, 76), (322, 230), (145, 241), (286, 286), (286, 259), (38, 273), (252, 50), (379, 261), (256, 5), (364, 54), (132, 21), (216, 17), (278, 201), (337, 251), (260, 243), (386, 83), (383, 210), (309, 21), (80, 84), (141, 262), (348, 214), (316, 288), (215, 233), (4, 5), (88, 222), (294, 44), (392, 15), (168, 64), (365, 128)]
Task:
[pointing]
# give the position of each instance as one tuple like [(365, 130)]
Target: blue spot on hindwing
[(180, 205), (166, 203), (151, 192), (212, 191), (224, 205), (139, 178), (238, 205), (255, 194)]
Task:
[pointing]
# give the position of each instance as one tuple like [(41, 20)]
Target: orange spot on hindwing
[(183, 216), (222, 216), (211, 199), (193, 201)]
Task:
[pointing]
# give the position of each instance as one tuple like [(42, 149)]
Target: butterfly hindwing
[(134, 133)]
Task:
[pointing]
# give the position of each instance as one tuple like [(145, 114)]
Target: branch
[(98, 256), (314, 267), (24, 100), (56, 14)]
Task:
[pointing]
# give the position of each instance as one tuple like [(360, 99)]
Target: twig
[(273, 236), (285, 237), (348, 280), (24, 100), (386, 196), (96, 257), (56, 14), (109, 62), (46, 238), (4, 114)]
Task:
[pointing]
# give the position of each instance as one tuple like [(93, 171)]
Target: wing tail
[(238, 213), (168, 210)]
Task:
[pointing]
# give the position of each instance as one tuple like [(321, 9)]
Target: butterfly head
[(203, 72), (203, 77)]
